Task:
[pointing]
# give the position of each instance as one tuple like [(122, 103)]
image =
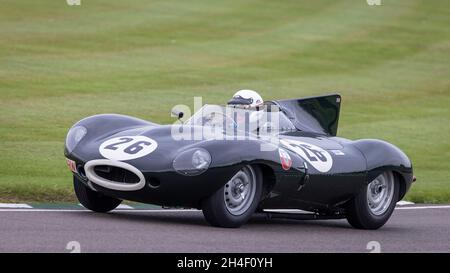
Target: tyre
[(374, 205), (233, 204), (93, 200)]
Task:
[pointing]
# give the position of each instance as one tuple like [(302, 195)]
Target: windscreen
[(267, 119)]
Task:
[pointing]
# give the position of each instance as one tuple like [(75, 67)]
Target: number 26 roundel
[(320, 159), (127, 147)]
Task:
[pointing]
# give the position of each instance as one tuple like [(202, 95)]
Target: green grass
[(60, 63)]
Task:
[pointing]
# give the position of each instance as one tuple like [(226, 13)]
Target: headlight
[(74, 136), (192, 162)]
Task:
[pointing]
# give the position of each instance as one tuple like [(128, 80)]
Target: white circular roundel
[(320, 159), (127, 147)]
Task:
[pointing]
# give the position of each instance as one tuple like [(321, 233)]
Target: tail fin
[(314, 114)]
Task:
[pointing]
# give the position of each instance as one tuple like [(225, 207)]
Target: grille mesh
[(116, 174)]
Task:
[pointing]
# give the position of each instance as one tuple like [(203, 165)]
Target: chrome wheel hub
[(240, 191), (380, 193)]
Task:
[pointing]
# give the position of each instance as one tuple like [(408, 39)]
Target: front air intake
[(114, 175)]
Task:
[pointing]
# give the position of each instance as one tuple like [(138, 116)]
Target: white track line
[(121, 206), (404, 203), (423, 207), (400, 207), (84, 210), (16, 206), (186, 210)]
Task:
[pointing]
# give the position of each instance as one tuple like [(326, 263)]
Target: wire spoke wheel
[(239, 192), (380, 193)]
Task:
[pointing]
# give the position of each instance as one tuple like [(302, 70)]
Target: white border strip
[(289, 211), (128, 207), (11, 207), (121, 206), (423, 207), (184, 210), (85, 210), (404, 203), (16, 206)]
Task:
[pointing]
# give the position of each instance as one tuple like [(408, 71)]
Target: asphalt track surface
[(410, 229)]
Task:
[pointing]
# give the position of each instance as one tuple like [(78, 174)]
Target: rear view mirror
[(177, 113)]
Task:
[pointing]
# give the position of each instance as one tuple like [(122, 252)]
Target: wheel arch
[(403, 185), (404, 179), (382, 156), (269, 178)]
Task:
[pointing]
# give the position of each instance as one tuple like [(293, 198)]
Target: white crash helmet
[(246, 99)]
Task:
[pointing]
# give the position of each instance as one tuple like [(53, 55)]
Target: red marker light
[(71, 165)]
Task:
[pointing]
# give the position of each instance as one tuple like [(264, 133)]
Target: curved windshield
[(268, 119)]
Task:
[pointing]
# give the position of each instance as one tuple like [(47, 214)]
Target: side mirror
[(177, 114)]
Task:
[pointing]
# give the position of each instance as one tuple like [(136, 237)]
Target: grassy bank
[(60, 63)]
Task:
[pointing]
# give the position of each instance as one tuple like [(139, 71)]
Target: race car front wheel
[(93, 200), (374, 205), (234, 203)]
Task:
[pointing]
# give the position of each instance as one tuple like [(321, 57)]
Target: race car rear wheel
[(374, 205), (234, 203), (93, 200)]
